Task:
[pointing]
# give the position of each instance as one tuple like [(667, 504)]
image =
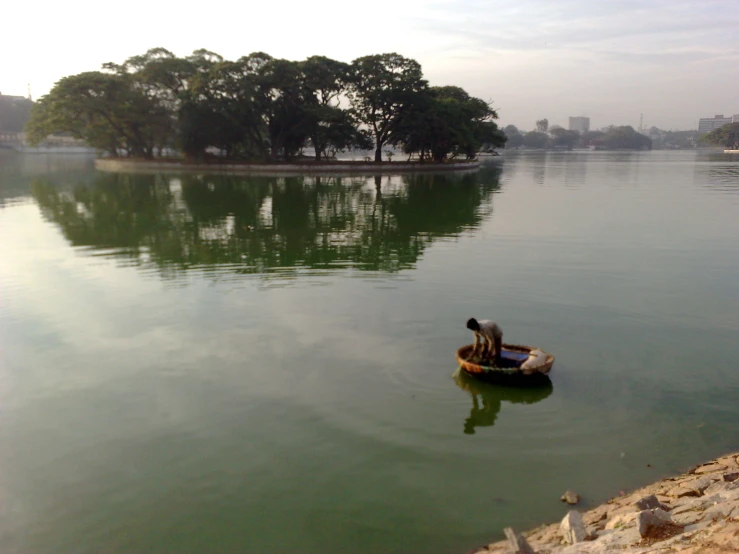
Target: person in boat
[(488, 335)]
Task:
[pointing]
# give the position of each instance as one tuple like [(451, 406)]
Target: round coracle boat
[(516, 361)]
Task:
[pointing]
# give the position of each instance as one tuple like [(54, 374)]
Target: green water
[(264, 364)]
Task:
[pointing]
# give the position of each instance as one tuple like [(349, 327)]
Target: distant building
[(708, 124), (580, 124)]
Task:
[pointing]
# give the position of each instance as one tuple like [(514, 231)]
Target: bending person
[(490, 335)]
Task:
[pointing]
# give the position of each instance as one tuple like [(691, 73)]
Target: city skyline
[(671, 61)]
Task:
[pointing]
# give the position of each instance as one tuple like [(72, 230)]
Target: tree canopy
[(513, 136), (726, 135), (446, 120), (563, 138), (263, 108), (103, 109), (534, 139), (625, 138), (382, 88)]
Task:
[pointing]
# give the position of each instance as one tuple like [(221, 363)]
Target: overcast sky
[(672, 60)]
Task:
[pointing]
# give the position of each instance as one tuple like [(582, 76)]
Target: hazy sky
[(673, 60)]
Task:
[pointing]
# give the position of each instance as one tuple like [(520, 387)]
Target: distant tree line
[(263, 108), (612, 138), (674, 140), (14, 113)]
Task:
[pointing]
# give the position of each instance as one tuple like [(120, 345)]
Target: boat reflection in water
[(487, 398)]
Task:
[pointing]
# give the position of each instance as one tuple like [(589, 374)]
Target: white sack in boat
[(535, 359)]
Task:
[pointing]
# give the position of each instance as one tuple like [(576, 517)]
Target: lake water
[(263, 364)]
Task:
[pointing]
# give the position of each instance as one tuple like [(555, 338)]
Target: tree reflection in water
[(267, 224), (487, 398)]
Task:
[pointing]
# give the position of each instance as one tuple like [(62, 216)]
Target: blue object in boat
[(518, 357)]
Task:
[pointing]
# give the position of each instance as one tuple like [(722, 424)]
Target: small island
[(259, 113)]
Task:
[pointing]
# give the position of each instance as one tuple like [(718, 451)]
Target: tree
[(726, 135), (200, 123), (513, 136), (626, 138), (589, 138), (542, 125), (564, 138), (330, 128), (381, 88), (446, 120), (282, 104), (334, 130), (104, 110), (164, 79), (236, 98), (259, 107), (534, 139)]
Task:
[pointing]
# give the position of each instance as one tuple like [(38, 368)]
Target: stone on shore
[(709, 468), (718, 487), (572, 528), (654, 523), (650, 502), (622, 521), (517, 543), (729, 461), (687, 518), (681, 491), (701, 483)]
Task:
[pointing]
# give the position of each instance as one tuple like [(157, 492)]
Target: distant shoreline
[(118, 165)]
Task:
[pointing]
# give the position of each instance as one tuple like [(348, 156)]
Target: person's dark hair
[(472, 324)]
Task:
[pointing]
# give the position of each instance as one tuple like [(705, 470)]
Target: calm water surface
[(263, 364)]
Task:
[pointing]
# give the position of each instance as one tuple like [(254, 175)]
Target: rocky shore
[(696, 513)]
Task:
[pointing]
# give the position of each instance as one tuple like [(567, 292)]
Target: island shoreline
[(117, 165)]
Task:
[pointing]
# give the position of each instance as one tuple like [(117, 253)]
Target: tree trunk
[(314, 140), (378, 153)]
